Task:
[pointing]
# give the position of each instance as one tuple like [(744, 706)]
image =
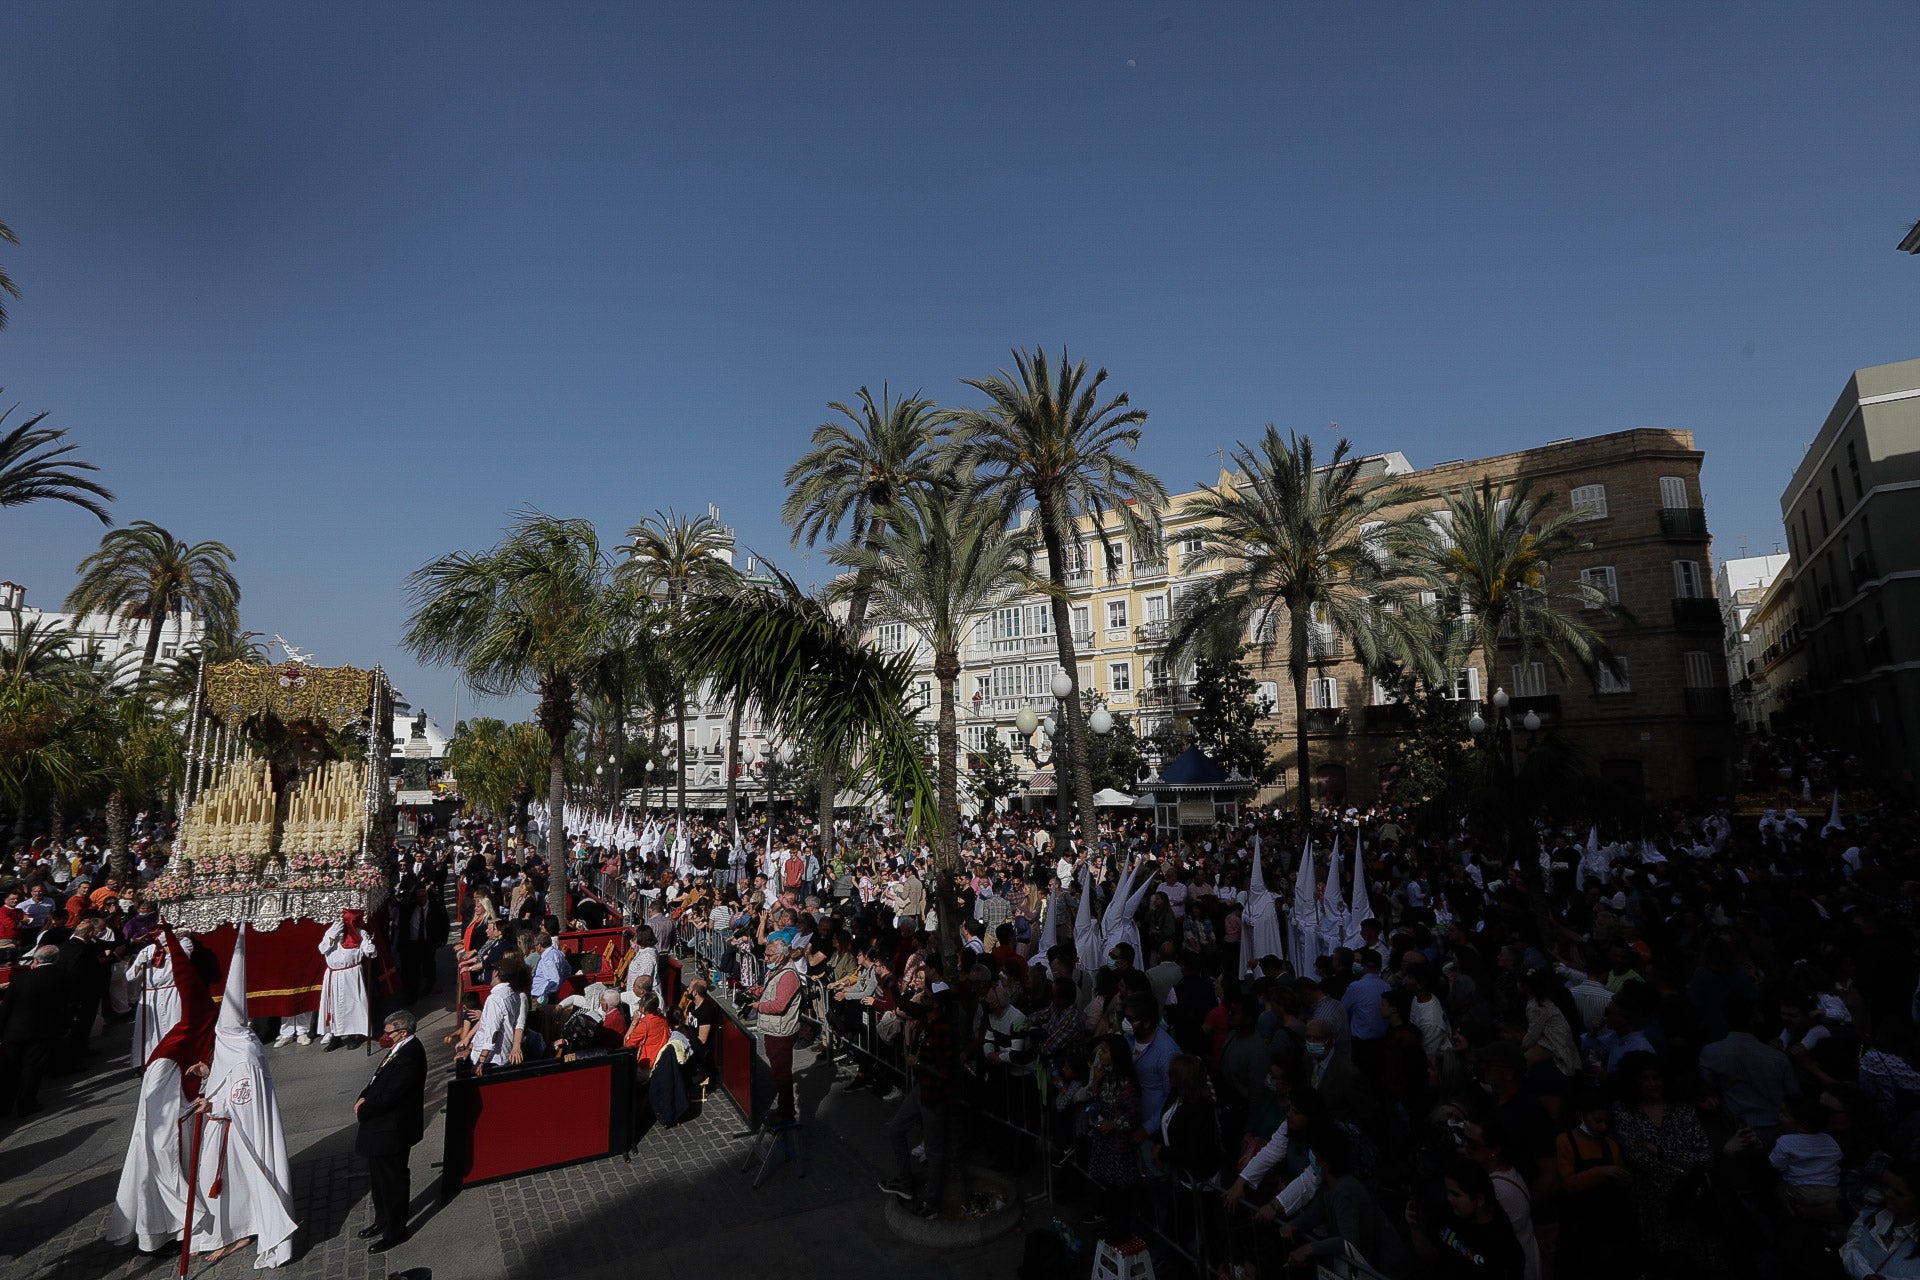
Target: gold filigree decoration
[(290, 691)]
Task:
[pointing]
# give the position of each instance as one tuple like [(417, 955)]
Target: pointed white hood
[(233, 1030)]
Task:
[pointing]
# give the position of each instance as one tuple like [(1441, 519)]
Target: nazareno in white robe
[(344, 1008), (156, 1001), (255, 1184), (151, 1205)]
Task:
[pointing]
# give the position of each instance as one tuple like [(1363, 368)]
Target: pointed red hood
[(191, 1039)]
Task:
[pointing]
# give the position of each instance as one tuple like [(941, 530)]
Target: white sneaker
[(286, 1037), (305, 1038)]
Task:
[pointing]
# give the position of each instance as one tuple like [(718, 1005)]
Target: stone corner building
[(1664, 731)]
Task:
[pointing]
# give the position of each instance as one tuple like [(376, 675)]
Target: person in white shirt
[(497, 1040)]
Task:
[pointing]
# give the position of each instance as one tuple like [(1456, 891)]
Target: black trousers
[(22, 1065), (391, 1192)]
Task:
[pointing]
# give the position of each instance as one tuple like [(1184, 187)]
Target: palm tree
[(527, 616), (501, 767), (142, 573), (34, 465), (678, 557), (813, 682), (7, 285), (173, 679), (1052, 439), (137, 755), (941, 562), (1308, 543), (41, 650), (1493, 560), (851, 478)]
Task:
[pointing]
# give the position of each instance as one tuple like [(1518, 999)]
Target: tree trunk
[(946, 849), (1298, 670), (556, 713), (733, 767), (154, 624), (1079, 763), (119, 856), (680, 754)]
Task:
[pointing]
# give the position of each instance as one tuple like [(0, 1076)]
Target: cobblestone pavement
[(682, 1204)]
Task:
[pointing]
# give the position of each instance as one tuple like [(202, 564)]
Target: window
[(1383, 696), (1853, 466), (1529, 679), (1324, 693), (1075, 555), (1082, 620), (891, 636), (1156, 673), (923, 694), (1699, 666), (1116, 558), (977, 736), (1193, 548), (1590, 502), (1605, 681), (1821, 496), (1604, 581), (1673, 492), (1257, 625), (1266, 696), (1009, 623), (1120, 677), (1839, 494), (1370, 536), (1441, 522), (1466, 685), (1039, 619), (1116, 615), (1156, 607), (1500, 508), (1688, 583)]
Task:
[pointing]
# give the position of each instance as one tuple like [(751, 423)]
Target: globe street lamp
[(646, 801), (1060, 745), (1500, 741)]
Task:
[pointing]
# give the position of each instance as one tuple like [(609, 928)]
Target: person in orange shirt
[(648, 1035), (79, 904), (104, 896)]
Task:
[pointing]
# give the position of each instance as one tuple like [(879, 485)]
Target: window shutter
[(1699, 670), (1673, 492), (1589, 502)]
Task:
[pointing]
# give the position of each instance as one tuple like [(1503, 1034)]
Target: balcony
[(1696, 613), (1683, 522), (1166, 696), (1327, 720), (1544, 705), (1082, 641), (1714, 703), (1149, 570), (1387, 715), (1079, 578), (1154, 633)]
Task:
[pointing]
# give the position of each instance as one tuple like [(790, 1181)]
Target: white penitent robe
[(344, 1008), (151, 1204), (255, 1186), (156, 1001)]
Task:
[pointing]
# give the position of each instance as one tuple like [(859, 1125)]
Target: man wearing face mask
[(392, 1115)]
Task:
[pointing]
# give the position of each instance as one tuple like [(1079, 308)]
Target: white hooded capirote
[(1260, 933), (245, 1184)]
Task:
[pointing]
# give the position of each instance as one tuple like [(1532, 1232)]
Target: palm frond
[(35, 466)]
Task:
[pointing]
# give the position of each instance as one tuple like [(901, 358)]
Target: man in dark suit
[(392, 1115), (35, 1016)]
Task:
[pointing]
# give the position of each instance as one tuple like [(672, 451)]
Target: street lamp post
[(1060, 738), (1500, 742), (646, 799)]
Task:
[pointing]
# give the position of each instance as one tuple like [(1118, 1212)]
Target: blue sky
[(343, 285)]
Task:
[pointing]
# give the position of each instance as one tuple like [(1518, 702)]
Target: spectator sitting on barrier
[(647, 1036), (500, 1037)]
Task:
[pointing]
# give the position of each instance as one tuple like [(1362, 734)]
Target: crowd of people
[(1685, 1045)]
